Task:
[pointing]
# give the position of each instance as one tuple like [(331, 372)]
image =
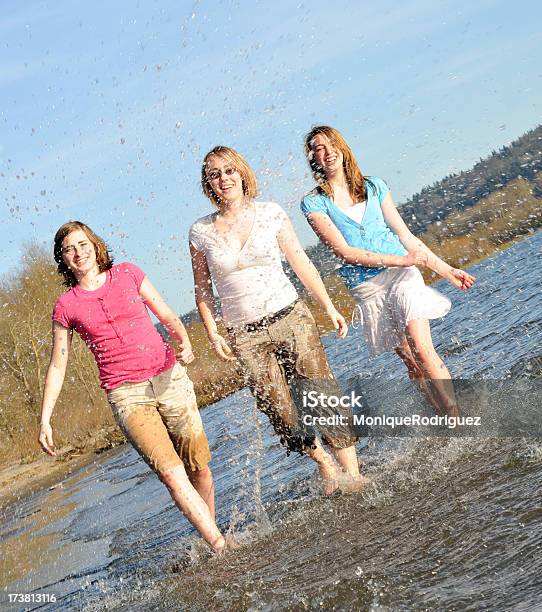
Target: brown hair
[(357, 183), (248, 177), (103, 258)]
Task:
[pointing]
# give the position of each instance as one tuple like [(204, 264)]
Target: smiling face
[(226, 176), (326, 155), (79, 253), (224, 179)]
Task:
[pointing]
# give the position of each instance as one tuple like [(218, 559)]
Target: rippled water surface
[(447, 523)]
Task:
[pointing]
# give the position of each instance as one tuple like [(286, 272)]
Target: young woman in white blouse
[(271, 332)]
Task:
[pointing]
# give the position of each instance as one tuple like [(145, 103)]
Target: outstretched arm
[(308, 274), (62, 339), (458, 278), (205, 303), (167, 317), (328, 233)]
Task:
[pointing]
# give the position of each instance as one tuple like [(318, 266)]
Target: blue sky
[(108, 108)]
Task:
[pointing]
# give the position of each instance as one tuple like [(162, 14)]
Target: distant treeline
[(521, 159)]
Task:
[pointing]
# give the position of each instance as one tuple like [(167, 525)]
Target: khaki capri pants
[(160, 418), (280, 353)]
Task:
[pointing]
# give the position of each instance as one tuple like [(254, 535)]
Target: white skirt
[(387, 302)]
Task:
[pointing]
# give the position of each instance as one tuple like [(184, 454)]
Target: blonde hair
[(248, 177), (357, 183), (103, 258)]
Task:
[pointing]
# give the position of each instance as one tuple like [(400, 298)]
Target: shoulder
[(125, 266), (127, 270), (271, 211), (65, 299), (199, 229), (314, 201), (63, 307), (270, 208), (202, 223), (271, 216), (377, 186)]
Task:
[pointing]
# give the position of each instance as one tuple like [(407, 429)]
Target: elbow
[(346, 255), (302, 268), (358, 257), (203, 304), (407, 237), (202, 290), (56, 372), (199, 304), (169, 320)]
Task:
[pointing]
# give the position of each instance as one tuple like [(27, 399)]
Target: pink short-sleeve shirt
[(114, 323)]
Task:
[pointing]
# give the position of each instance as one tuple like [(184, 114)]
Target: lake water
[(451, 524)]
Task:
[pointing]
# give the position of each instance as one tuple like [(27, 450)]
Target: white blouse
[(249, 279)]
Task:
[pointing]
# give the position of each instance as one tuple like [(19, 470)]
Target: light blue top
[(372, 234)]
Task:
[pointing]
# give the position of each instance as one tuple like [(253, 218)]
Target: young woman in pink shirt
[(148, 389)]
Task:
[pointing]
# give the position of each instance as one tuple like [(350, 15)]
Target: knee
[(202, 475), (174, 477)]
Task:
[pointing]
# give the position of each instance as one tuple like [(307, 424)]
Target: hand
[(338, 322), (221, 348), (415, 258), (184, 354), (46, 439), (460, 279)]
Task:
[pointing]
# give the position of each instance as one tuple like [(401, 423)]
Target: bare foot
[(328, 473), (225, 544), (330, 487), (353, 484), (219, 545)]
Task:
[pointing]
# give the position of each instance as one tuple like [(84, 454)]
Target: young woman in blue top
[(356, 217)]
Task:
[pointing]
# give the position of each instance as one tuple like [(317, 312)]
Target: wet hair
[(248, 177), (357, 183), (103, 258)]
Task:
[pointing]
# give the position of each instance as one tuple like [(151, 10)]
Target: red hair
[(357, 183)]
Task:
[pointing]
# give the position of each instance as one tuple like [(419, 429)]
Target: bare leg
[(202, 480), (326, 467), (348, 460), (189, 502), (147, 433), (427, 359), (417, 375)]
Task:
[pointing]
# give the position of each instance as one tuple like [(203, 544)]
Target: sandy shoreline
[(22, 479)]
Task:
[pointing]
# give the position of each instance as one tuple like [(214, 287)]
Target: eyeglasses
[(215, 175)]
